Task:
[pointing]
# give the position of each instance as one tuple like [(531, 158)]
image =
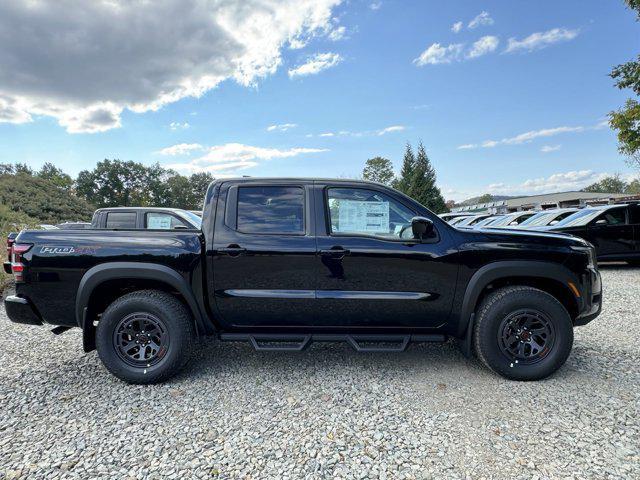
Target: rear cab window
[(121, 220)]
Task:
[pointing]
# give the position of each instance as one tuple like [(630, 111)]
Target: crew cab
[(282, 263), (154, 218)]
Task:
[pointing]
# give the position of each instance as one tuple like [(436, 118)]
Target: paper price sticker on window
[(358, 216), (159, 222)]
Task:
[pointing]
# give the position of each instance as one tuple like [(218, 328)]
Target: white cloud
[(237, 156), (180, 149), (550, 148), (523, 137), (338, 33), (573, 180), (482, 19), (456, 27), (348, 133), (84, 63), (483, 46), (179, 126), (392, 128), (283, 127), (539, 40), (315, 64), (375, 5), (436, 54)]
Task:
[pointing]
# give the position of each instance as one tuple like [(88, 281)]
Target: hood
[(538, 237)]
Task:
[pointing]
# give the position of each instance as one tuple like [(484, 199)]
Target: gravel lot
[(328, 412)]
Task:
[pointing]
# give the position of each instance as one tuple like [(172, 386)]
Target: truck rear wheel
[(522, 333), (145, 337)]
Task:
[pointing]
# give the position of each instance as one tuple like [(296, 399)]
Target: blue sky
[(511, 103)]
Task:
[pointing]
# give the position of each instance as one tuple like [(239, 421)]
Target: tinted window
[(615, 216), (368, 212), (164, 221), (271, 210), (634, 214), (121, 220)]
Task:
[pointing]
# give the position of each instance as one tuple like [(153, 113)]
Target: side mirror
[(600, 223), (422, 227)]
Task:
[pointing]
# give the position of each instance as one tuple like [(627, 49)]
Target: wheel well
[(556, 289), (108, 291)]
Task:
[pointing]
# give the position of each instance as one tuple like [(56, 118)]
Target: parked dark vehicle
[(74, 225), (282, 263), (132, 218), (614, 230)]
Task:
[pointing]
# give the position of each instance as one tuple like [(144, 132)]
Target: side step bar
[(361, 343)]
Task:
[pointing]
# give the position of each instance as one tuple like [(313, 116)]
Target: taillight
[(17, 267)]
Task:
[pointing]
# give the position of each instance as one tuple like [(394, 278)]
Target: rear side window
[(163, 221), (271, 210), (122, 220)]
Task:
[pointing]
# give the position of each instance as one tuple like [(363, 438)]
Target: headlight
[(590, 252)]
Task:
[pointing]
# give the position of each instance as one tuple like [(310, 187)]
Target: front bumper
[(592, 298), (20, 310)]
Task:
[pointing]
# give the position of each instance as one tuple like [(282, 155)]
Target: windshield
[(581, 217), (487, 221), (470, 220), (541, 218), (193, 218)]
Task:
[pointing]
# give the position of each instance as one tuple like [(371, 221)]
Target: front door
[(372, 274), (263, 256), (611, 233)]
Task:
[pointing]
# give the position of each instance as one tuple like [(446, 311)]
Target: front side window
[(615, 216), (368, 212), (121, 220), (274, 210), (164, 221)]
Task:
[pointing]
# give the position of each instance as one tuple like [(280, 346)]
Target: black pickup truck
[(282, 263)]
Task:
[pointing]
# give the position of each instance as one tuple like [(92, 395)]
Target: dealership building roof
[(542, 202)]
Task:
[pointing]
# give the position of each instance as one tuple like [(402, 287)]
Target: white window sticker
[(358, 216), (160, 222)]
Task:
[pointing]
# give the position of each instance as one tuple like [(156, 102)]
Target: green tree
[(56, 176), (626, 120), (633, 187), (115, 183), (423, 186), (613, 184), (199, 184), (403, 183), (379, 170), (486, 198)]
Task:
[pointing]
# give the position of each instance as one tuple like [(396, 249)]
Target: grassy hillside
[(41, 199)]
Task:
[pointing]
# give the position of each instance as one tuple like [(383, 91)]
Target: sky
[(507, 97)]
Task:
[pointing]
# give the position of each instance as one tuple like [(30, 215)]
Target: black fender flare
[(132, 270), (504, 269)]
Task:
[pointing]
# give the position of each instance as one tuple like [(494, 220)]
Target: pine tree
[(403, 183), (422, 186)]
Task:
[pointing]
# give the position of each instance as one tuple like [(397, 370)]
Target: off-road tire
[(178, 326), (499, 306)]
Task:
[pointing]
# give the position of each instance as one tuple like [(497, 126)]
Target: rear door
[(263, 255), (371, 277)]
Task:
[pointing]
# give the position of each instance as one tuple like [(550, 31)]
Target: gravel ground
[(328, 412)]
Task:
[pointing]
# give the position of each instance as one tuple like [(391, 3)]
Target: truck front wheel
[(145, 337), (522, 333)]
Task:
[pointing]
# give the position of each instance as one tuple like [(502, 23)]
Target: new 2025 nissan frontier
[(282, 263)]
